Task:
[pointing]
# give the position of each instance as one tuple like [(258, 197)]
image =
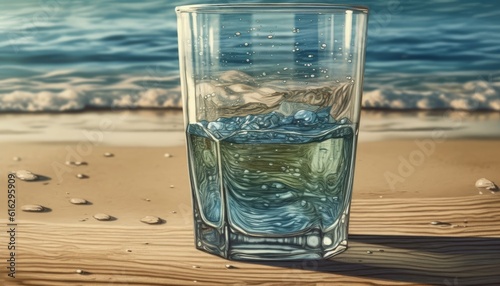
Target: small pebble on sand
[(81, 272), (174, 212), (149, 219), (229, 266), (369, 252), (33, 208), (107, 154), (196, 266), (440, 223), (102, 217), (81, 176), (168, 155), (171, 186), (26, 175), (78, 201), (76, 163), (16, 158)]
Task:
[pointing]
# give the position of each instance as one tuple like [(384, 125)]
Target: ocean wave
[(75, 100), (77, 55), (470, 96)]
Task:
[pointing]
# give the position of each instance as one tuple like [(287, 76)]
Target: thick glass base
[(230, 244), (304, 247)]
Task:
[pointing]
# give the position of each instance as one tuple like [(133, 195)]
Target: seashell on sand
[(78, 201), (32, 208), (485, 183), (102, 217), (149, 219), (26, 175)]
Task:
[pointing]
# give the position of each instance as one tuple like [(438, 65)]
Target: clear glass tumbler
[(271, 96)]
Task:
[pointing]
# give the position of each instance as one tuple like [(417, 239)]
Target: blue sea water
[(59, 55)]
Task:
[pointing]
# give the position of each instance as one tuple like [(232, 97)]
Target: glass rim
[(271, 8)]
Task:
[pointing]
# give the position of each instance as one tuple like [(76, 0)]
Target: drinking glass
[(271, 98)]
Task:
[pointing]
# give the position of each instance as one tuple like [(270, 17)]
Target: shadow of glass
[(433, 260)]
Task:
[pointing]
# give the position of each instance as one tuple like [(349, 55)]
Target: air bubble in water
[(323, 46), (310, 56), (312, 241), (270, 36), (237, 34), (295, 30), (278, 185), (246, 44), (327, 240)]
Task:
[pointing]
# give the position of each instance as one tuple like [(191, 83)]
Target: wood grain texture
[(391, 243)]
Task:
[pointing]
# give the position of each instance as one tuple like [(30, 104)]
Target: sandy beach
[(140, 181), (401, 186)]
